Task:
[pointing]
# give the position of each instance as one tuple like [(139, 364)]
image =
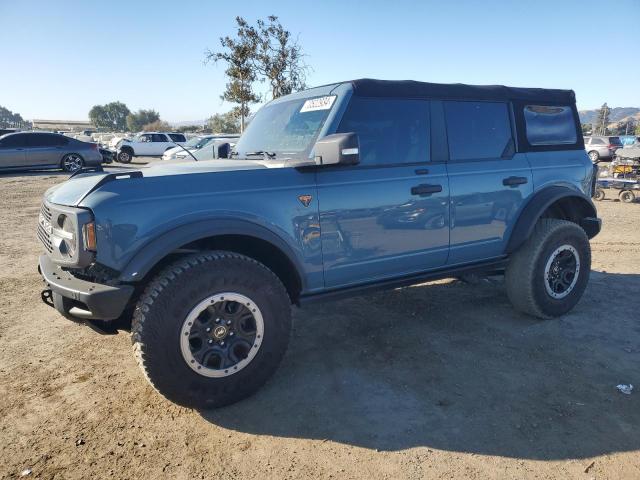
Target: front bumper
[(81, 299)]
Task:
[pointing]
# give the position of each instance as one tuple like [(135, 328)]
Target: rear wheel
[(72, 162), (627, 196), (594, 156), (211, 329), (547, 276)]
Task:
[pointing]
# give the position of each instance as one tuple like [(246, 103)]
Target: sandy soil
[(435, 381)]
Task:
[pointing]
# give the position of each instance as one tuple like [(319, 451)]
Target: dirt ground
[(436, 381)]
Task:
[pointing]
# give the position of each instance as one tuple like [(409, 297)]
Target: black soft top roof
[(368, 87)]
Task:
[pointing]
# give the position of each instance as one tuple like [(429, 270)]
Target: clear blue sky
[(61, 57)]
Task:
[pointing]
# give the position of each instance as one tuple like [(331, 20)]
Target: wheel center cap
[(220, 332)]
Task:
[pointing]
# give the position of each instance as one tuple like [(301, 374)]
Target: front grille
[(46, 213), (43, 235)]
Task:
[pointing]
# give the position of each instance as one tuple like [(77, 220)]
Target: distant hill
[(617, 114)]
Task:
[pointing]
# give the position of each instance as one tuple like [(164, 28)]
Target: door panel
[(483, 208), (12, 157), (373, 227)]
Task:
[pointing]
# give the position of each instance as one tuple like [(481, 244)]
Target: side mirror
[(221, 150), (337, 149)]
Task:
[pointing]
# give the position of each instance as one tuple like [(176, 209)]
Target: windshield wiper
[(261, 153)]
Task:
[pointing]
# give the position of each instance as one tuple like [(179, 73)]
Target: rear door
[(489, 181), (12, 151), (388, 216), (41, 150), (160, 143)]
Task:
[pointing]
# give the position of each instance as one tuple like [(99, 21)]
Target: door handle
[(514, 181), (425, 189)]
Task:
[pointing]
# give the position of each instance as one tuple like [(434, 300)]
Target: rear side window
[(391, 131), (597, 141), (615, 141), (478, 130), (58, 140), (40, 140), (176, 137), (550, 125)]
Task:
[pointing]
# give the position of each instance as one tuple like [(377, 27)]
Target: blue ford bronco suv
[(330, 192)]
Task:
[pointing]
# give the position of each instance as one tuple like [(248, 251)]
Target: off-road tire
[(599, 195), (164, 306), (125, 156), (525, 273)]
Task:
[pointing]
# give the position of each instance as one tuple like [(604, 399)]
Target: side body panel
[(132, 213), (569, 168)]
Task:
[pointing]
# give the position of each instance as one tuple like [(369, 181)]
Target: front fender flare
[(540, 202), (154, 251)]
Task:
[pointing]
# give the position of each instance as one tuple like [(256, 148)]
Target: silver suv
[(601, 148)]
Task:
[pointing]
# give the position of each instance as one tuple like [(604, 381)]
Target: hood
[(73, 191)]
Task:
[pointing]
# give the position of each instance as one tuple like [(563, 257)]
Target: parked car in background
[(4, 131), (209, 150), (194, 144), (46, 150), (148, 144), (601, 147)]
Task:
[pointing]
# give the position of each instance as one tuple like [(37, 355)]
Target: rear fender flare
[(536, 207)]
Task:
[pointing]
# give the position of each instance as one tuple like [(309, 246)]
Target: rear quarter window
[(615, 141), (176, 137), (550, 125)]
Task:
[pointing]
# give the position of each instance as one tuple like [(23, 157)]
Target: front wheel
[(211, 329), (548, 274), (72, 162), (599, 195), (124, 156)]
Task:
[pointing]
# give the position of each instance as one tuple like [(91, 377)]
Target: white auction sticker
[(320, 103)]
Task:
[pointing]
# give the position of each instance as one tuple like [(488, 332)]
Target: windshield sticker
[(320, 103)]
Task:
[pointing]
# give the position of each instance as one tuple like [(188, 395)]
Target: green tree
[(238, 53), (602, 120), (112, 116), (136, 121), (278, 58), (586, 128), (225, 122), (8, 119), (638, 129)]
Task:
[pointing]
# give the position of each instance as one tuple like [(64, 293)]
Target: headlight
[(68, 235)]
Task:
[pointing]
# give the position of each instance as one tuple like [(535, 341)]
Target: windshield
[(193, 142), (286, 129)]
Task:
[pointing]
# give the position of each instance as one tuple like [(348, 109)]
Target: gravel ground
[(442, 380)]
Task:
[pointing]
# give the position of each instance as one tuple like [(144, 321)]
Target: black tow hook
[(47, 297)]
